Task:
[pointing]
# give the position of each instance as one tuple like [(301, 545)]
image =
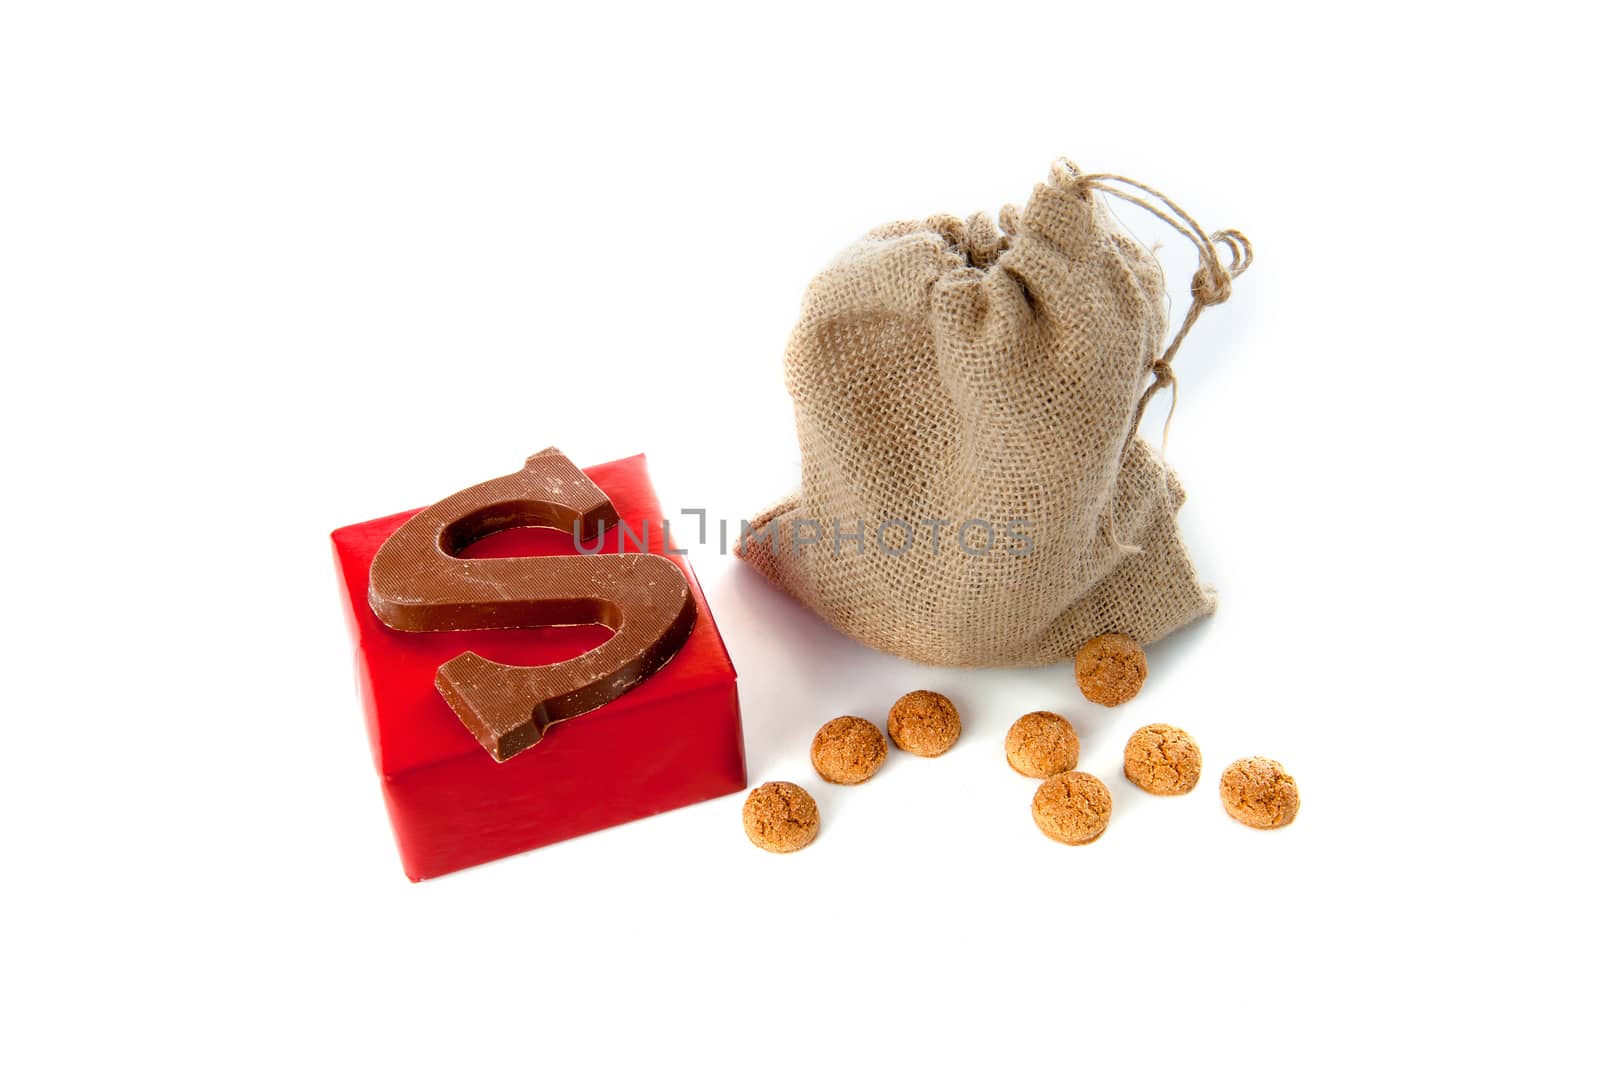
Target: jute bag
[(973, 491)]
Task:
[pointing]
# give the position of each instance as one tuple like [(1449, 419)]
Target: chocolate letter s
[(418, 584)]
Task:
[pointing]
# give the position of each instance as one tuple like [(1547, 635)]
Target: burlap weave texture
[(956, 377)]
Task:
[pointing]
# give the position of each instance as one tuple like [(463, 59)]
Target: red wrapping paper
[(673, 740)]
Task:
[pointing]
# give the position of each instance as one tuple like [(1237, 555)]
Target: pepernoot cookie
[(1257, 792), (1041, 744), (848, 750), (781, 817), (1072, 808), (1162, 759), (924, 723), (1111, 669)]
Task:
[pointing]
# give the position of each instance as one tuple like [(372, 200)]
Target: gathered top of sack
[(967, 396)]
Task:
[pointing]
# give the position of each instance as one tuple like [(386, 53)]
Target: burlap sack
[(960, 387)]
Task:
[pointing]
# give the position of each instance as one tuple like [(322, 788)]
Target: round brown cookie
[(924, 723), (1257, 792), (848, 750), (1162, 759), (1111, 669), (1072, 808), (1041, 744), (781, 817)]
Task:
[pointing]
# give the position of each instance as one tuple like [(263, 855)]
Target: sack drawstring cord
[(1212, 284)]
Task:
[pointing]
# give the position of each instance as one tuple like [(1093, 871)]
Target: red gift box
[(673, 740)]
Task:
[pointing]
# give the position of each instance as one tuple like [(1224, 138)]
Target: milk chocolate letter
[(419, 585)]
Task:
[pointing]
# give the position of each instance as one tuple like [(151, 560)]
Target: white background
[(270, 269)]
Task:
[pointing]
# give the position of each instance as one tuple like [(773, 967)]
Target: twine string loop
[(1212, 283)]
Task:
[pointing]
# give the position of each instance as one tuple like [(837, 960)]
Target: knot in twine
[(1213, 282), (1210, 287), (1163, 373)]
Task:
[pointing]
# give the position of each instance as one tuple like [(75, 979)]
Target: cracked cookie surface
[(1041, 744), (1259, 793), (1072, 808), (848, 750), (781, 817), (1162, 759), (924, 723), (1111, 669)]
